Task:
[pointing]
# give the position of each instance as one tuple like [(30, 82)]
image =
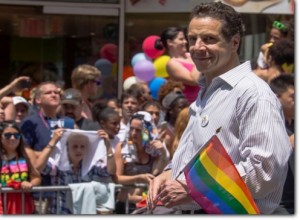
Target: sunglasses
[(98, 82), (278, 25), (9, 135)]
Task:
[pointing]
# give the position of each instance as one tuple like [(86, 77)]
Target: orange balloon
[(127, 72)]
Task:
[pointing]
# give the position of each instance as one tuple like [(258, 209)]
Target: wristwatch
[(110, 155)]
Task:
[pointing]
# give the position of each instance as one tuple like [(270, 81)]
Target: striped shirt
[(253, 133)]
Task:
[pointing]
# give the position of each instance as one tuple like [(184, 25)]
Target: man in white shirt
[(234, 98)]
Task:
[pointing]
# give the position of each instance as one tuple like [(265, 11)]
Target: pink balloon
[(152, 46), (144, 70), (109, 51)]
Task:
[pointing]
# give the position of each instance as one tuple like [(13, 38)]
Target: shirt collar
[(233, 76)]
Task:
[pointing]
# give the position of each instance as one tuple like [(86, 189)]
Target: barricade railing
[(56, 189)]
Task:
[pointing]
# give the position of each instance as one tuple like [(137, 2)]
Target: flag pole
[(217, 131)]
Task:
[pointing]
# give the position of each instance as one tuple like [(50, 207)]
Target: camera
[(25, 84)]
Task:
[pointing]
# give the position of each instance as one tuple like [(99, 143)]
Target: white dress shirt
[(253, 133)]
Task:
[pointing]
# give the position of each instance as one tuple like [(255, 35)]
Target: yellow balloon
[(160, 65), (114, 69)]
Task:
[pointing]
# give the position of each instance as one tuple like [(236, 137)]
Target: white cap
[(20, 99)]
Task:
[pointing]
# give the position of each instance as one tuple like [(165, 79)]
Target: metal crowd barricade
[(56, 189)]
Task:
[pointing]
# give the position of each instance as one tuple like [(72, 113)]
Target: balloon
[(154, 86), (130, 81), (139, 57), (160, 65), (152, 46), (115, 69), (127, 72), (144, 70), (109, 51), (105, 66)]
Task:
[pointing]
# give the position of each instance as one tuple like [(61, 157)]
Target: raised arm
[(111, 165), (44, 155), (13, 86)]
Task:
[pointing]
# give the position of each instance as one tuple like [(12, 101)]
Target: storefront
[(48, 39)]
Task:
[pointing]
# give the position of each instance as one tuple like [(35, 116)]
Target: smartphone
[(25, 84)]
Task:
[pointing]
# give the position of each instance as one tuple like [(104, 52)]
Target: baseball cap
[(170, 98), (20, 99), (71, 96)]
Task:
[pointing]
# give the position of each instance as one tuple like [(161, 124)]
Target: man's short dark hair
[(281, 83), (231, 19)]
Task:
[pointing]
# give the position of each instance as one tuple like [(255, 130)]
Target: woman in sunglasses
[(16, 169)]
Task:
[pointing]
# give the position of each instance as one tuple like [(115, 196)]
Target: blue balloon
[(154, 86), (105, 66), (139, 57)]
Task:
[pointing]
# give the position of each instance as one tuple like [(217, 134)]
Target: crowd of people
[(60, 137)]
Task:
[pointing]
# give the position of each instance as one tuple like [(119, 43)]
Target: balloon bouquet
[(107, 64), (149, 66)]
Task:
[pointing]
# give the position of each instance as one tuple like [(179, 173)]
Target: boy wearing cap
[(21, 107), (71, 104), (173, 103)]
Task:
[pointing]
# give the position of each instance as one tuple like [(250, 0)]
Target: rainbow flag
[(215, 184)]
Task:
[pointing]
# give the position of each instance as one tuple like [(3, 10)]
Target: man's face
[(49, 96), (154, 112), (212, 54), (72, 111), (21, 112), (287, 100), (129, 107)]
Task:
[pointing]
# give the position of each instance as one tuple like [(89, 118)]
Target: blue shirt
[(37, 134)]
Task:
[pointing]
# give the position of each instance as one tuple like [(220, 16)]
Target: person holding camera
[(7, 107)]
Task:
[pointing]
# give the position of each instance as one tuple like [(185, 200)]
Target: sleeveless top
[(132, 166), (190, 92)]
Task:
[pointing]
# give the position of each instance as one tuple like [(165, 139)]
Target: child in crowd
[(109, 121)]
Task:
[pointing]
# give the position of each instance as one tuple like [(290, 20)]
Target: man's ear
[(236, 40), (101, 122), (38, 100)]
